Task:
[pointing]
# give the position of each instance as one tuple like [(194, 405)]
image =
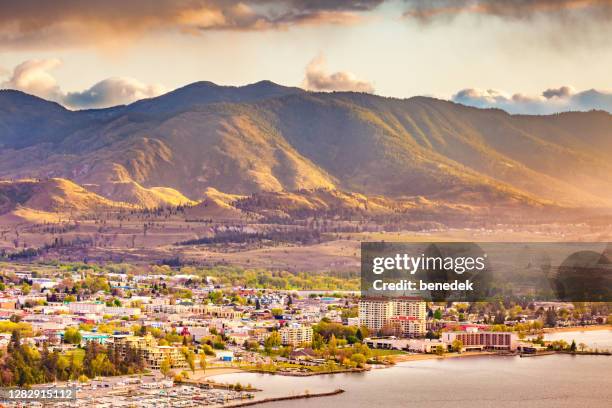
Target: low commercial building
[(388, 343), (473, 339), (411, 345)]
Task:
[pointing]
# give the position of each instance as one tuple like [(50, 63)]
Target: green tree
[(72, 335), (273, 340), (550, 319), (358, 359), (457, 345)]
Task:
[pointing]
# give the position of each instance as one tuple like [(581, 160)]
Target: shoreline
[(577, 328), (308, 374)]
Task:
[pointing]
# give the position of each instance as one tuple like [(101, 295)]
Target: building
[(225, 356), (87, 337), (405, 315), (389, 343), (101, 309), (8, 303), (86, 307), (155, 356), (151, 353), (295, 334), (473, 339), (407, 326)]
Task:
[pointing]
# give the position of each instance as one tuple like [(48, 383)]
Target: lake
[(485, 381), (594, 339)]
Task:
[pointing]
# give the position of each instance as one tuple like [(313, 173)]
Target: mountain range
[(265, 138)]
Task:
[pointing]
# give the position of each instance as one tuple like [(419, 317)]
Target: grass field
[(382, 353)]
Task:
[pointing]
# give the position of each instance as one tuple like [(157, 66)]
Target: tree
[(332, 345), (573, 346), (457, 345), (273, 340), (582, 346), (358, 359), (203, 362), (440, 350), (190, 357), (550, 319), (437, 314), (165, 366), (500, 318), (72, 335)]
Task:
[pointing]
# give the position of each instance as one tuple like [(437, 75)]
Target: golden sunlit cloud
[(62, 23), (318, 79)]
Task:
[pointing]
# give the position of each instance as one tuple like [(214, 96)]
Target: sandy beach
[(210, 372)]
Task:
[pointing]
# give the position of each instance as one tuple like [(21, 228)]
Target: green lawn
[(382, 352)]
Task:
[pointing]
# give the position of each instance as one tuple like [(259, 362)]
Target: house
[(224, 355)]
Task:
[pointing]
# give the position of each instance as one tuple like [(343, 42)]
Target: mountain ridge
[(265, 137)]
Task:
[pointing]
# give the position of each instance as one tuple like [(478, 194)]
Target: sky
[(533, 57)]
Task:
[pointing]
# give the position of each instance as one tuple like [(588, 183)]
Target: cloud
[(510, 9), (32, 77), (562, 92), (112, 92), (553, 100), (317, 79), (60, 23)]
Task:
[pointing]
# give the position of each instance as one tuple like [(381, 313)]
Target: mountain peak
[(16, 99)]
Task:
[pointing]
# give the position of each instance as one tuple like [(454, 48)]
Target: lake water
[(487, 381), (594, 339)]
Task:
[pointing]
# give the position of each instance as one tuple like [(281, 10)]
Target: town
[(125, 335)]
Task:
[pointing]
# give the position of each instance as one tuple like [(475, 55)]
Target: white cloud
[(551, 100), (317, 79), (112, 92), (33, 77)]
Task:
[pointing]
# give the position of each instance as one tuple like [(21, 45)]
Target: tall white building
[(378, 313)]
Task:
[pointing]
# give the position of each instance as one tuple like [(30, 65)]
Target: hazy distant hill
[(265, 137)]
